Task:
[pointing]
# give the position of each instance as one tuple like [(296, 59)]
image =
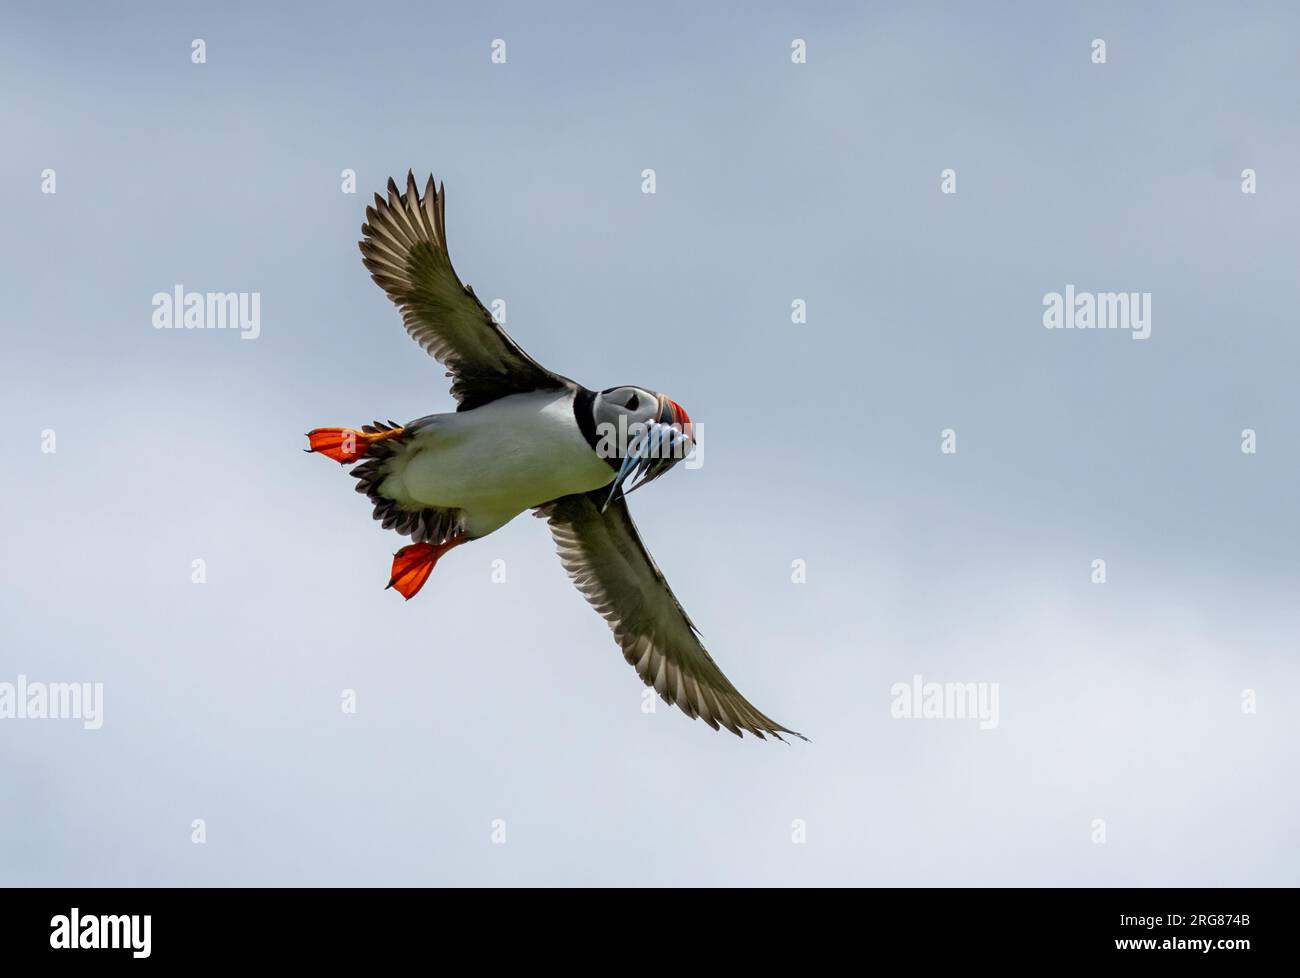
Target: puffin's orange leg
[(347, 444), (413, 564)]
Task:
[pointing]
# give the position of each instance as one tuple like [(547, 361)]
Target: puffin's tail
[(382, 445)]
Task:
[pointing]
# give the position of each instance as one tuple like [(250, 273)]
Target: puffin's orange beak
[(665, 442), (679, 417)]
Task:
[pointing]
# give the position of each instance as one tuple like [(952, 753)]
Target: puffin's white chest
[(498, 460)]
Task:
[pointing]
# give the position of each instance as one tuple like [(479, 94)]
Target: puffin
[(525, 438)]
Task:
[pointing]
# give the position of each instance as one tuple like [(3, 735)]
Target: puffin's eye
[(632, 402)]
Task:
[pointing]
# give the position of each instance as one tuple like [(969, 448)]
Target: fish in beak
[(653, 450)]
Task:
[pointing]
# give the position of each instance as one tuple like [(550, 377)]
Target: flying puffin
[(525, 438)]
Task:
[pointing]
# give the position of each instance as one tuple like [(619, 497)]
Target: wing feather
[(404, 247), (611, 567)]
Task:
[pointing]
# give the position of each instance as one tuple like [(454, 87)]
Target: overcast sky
[(1120, 705)]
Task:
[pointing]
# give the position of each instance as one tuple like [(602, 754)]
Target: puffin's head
[(627, 406), (647, 433)]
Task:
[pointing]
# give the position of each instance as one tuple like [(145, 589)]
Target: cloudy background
[(480, 701)]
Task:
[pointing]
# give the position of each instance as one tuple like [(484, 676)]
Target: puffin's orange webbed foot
[(413, 564), (347, 444)]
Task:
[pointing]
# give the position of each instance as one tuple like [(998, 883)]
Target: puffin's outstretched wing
[(604, 555), (405, 249)]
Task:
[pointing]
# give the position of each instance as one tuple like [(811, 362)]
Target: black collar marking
[(583, 403)]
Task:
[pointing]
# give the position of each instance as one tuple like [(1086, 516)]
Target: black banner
[(183, 927)]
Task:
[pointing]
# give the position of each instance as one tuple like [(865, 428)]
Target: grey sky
[(480, 701)]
